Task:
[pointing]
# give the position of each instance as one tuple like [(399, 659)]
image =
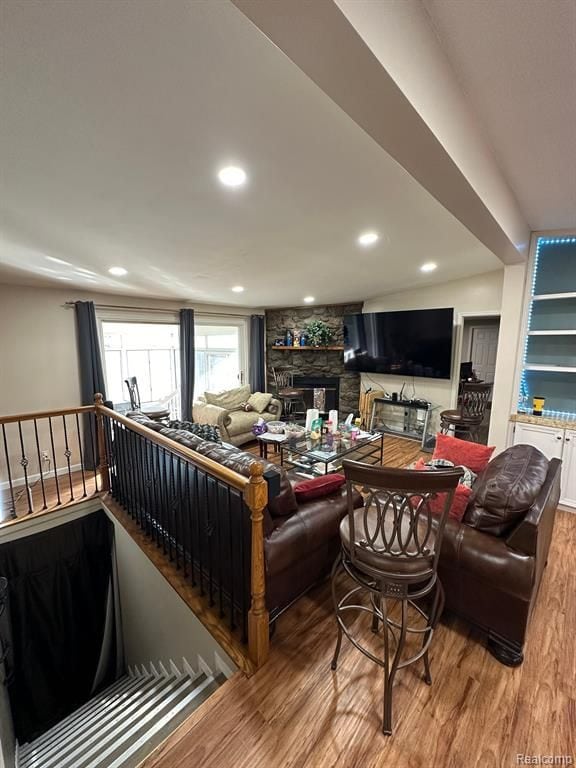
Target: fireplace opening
[(311, 384)]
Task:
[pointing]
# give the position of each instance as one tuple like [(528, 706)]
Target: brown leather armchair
[(492, 562)]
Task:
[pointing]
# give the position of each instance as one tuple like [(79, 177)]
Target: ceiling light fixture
[(308, 299), (238, 288), (118, 271), (430, 266), (232, 176), (368, 238)]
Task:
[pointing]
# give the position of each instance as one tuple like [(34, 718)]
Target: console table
[(403, 418)]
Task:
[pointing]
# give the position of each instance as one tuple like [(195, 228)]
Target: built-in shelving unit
[(549, 359)]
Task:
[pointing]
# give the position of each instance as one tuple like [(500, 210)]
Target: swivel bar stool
[(390, 550)]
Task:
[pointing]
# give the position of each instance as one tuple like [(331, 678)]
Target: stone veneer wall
[(311, 362)]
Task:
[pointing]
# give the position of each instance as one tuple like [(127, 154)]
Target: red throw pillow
[(318, 487), (471, 455), (459, 502)]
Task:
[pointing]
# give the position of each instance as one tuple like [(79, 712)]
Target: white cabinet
[(569, 468), (549, 440), (554, 444)]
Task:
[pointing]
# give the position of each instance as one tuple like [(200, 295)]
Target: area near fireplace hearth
[(314, 368)]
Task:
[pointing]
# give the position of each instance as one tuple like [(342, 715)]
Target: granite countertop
[(544, 421)]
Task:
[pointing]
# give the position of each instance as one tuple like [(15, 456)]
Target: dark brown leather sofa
[(492, 562), (301, 540)]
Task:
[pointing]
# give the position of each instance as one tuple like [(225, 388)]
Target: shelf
[(553, 296), (552, 333), (551, 368), (308, 349)]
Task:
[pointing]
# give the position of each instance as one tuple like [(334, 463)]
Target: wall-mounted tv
[(406, 343)]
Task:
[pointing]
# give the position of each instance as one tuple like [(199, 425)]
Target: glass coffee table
[(324, 455)]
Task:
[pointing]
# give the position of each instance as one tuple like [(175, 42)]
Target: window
[(149, 351), (219, 358)]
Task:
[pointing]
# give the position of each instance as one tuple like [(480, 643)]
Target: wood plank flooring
[(296, 713), (71, 490)]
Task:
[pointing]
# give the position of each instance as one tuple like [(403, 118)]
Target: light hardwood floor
[(71, 490), (296, 713)]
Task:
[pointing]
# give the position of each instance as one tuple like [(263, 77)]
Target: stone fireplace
[(314, 365)]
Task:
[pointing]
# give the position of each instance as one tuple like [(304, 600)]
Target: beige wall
[(480, 295), (38, 357)]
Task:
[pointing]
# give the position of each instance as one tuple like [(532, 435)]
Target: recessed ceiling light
[(368, 238), (118, 271), (238, 288), (430, 266), (308, 299), (58, 261), (232, 176)]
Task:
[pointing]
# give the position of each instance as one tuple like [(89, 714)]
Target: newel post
[(256, 498), (103, 466)]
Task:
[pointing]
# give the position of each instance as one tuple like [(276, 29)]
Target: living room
[(300, 276)]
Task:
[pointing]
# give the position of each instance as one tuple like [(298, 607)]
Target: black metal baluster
[(40, 466), (177, 510), (131, 475), (231, 555), (138, 483), (164, 504), (244, 524), (198, 521), (108, 426), (9, 472), (190, 518), (94, 450), (24, 464), (67, 454), (210, 531), (148, 486), (171, 506), (184, 522), (124, 467), (54, 460), (155, 491), (81, 456), (219, 552)]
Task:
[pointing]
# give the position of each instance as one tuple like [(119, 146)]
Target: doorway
[(480, 347)]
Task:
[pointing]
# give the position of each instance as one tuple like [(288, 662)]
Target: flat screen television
[(406, 343)]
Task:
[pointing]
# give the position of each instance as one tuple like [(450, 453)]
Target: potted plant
[(317, 333)]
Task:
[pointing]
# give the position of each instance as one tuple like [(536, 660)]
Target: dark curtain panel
[(91, 373), (186, 363), (257, 374), (59, 588)]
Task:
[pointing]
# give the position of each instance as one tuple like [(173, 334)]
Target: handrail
[(255, 493), (213, 467), (46, 414)]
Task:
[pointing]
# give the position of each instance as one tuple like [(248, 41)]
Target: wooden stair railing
[(73, 438), (47, 460), (162, 462)]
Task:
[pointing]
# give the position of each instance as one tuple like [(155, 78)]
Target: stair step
[(88, 737), (120, 726), (92, 709)]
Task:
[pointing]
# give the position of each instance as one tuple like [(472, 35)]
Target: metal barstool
[(390, 549), (469, 415)]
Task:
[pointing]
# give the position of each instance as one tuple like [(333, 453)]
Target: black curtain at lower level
[(187, 363), (59, 589), (257, 374)]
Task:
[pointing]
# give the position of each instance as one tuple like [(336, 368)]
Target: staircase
[(124, 723)]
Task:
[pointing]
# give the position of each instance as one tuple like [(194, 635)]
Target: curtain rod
[(70, 304)]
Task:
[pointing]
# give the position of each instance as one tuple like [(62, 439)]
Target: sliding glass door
[(220, 355), (148, 351)]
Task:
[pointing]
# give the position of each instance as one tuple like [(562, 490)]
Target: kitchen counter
[(545, 421)]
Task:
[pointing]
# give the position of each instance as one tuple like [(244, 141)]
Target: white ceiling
[(516, 62), (116, 117)]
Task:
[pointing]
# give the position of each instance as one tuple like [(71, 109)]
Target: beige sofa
[(224, 410)]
